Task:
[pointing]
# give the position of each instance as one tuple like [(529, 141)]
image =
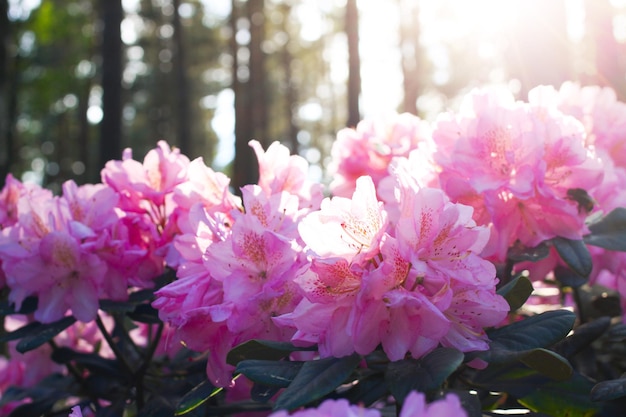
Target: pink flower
[(515, 163), (415, 406), (348, 228), (76, 412), (280, 171), (424, 285), (369, 149), (331, 408)]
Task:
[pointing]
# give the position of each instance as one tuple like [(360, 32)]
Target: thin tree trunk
[(5, 125), (245, 168), (183, 109), (111, 124), (291, 92), (412, 62), (354, 62)]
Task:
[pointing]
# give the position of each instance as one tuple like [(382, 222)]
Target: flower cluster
[(402, 258)]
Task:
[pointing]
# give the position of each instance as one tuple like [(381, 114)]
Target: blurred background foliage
[(82, 79)]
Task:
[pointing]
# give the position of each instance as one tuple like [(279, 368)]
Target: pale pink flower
[(348, 228), (368, 149), (280, 171)]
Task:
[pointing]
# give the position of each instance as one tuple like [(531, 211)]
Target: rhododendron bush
[(466, 267)]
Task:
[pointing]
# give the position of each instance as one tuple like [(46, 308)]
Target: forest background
[(82, 79)]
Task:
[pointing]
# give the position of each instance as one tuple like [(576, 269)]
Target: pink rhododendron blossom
[(368, 149), (514, 163), (236, 265), (349, 228), (69, 251), (331, 408), (415, 406), (280, 171), (424, 285)]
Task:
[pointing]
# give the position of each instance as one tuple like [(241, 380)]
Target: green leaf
[(520, 253), (25, 330), (425, 374), (272, 373), (316, 379), (575, 254), (548, 363), (368, 390), (29, 305), (609, 390), (516, 292), (582, 337), (610, 231), (262, 349), (563, 399), (42, 334), (511, 342), (569, 278), (263, 393), (196, 397), (145, 313), (90, 361), (111, 306)]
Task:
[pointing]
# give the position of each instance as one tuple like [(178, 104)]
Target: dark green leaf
[(425, 374), (548, 363), (568, 278), (575, 254), (316, 379), (43, 334), (563, 399), (29, 305), (368, 390), (36, 408), (196, 397), (111, 306), (521, 253), (582, 337), (262, 349), (145, 313), (516, 292), (609, 390), (610, 231), (157, 406), (263, 393), (26, 330), (272, 373), (511, 342), (91, 361)]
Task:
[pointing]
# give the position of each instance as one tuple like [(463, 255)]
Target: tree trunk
[(5, 126), (245, 168), (183, 108), (354, 62), (111, 124), (411, 54)]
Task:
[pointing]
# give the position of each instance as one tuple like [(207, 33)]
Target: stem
[(138, 376), (113, 345), (579, 305), (70, 367)]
